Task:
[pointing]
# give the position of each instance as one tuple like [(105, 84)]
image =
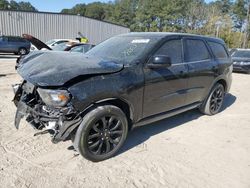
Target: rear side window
[(196, 50), (16, 39), (218, 50), (172, 49)]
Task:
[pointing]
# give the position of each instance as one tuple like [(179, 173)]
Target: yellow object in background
[(84, 40)]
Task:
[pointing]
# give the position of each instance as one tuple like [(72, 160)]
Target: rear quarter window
[(218, 50), (196, 50)]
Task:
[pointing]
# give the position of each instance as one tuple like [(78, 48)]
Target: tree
[(240, 13), (95, 10), (13, 5), (4, 4), (224, 18), (26, 6), (78, 9)]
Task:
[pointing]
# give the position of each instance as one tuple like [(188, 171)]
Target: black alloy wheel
[(213, 104), (105, 135), (102, 133), (217, 99)]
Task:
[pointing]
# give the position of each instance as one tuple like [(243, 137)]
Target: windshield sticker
[(140, 41)]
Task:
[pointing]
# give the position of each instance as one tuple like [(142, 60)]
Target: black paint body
[(149, 93)]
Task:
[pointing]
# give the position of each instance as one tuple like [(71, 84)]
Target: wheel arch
[(224, 83), (124, 105), (222, 80)]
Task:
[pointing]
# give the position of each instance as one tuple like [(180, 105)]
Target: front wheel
[(101, 133), (214, 102)]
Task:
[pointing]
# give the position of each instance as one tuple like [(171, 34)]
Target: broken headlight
[(54, 98)]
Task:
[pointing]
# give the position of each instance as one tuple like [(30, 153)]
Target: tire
[(213, 104), (22, 51), (102, 133)]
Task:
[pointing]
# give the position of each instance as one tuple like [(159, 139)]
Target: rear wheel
[(22, 51), (101, 133), (214, 102)]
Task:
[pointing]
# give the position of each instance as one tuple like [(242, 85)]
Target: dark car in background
[(130, 80), (241, 60), (14, 44)]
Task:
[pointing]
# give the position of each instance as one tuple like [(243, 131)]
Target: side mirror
[(159, 61)]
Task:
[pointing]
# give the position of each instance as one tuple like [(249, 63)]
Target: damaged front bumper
[(59, 122)]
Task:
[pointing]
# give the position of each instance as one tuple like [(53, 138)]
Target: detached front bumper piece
[(59, 122)]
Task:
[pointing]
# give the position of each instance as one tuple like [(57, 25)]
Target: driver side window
[(172, 49)]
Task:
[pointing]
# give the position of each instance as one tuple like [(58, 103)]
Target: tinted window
[(196, 50), (218, 50), (241, 53), (15, 39), (172, 49)]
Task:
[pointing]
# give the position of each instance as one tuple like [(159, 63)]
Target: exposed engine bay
[(59, 122)]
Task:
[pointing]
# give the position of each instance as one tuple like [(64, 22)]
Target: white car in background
[(54, 42)]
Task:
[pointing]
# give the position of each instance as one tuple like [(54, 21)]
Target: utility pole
[(245, 42)]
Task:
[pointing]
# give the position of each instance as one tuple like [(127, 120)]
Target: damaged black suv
[(94, 99)]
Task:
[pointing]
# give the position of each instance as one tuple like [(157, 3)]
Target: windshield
[(123, 48), (50, 42), (242, 53)]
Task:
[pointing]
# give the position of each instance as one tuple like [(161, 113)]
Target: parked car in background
[(241, 60), (130, 80), (54, 42), (14, 44), (80, 47), (231, 50), (71, 46)]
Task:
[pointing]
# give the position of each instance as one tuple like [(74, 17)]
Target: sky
[(58, 5)]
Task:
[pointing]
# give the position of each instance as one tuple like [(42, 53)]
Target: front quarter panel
[(126, 85)]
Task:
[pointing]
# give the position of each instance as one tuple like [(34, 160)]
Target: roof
[(165, 34)]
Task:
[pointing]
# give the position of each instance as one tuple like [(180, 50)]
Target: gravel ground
[(188, 150)]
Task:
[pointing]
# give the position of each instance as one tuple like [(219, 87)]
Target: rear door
[(202, 68), (165, 88)]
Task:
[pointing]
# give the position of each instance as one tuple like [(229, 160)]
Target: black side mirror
[(159, 61)]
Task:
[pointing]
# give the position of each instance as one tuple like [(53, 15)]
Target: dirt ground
[(188, 150)]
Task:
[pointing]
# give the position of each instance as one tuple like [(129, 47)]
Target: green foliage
[(222, 18), (13, 5)]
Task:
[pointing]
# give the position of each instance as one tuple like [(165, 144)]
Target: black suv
[(94, 99), (14, 44)]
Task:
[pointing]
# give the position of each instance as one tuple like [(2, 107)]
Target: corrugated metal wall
[(46, 26)]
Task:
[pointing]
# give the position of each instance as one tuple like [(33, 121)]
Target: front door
[(165, 88)]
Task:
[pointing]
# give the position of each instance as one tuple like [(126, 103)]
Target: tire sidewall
[(207, 106), (81, 137)]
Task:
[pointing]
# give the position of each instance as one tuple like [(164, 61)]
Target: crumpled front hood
[(48, 68)]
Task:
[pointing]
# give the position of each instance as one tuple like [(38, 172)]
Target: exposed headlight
[(54, 98)]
